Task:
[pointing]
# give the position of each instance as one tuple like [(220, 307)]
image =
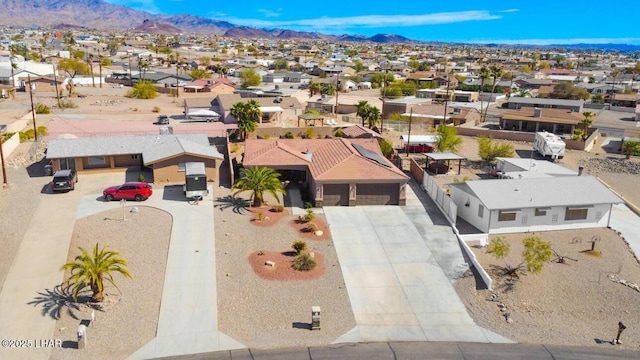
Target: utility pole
[(55, 81), (177, 88), (4, 168), (408, 146), (446, 102), (337, 92), (130, 78), (33, 111)]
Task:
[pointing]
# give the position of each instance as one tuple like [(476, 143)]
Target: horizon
[(561, 24)]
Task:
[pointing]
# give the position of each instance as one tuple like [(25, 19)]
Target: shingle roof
[(152, 147), (539, 192)]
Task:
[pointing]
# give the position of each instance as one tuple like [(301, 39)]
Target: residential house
[(544, 103), (274, 109), (557, 121), (164, 154), (336, 172), (534, 204), (625, 100), (217, 86)]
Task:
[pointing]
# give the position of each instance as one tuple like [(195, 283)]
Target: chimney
[(580, 170), (537, 112)]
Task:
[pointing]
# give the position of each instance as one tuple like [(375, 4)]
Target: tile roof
[(329, 160), (561, 116), (359, 131)]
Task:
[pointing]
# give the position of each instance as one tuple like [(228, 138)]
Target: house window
[(134, 157), (541, 212), (507, 215), (96, 160), (480, 211), (575, 213), (181, 167)]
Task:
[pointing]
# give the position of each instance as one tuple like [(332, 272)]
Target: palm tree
[(259, 180), (484, 76), (630, 147), (253, 111), (93, 269), (361, 109), (90, 63), (373, 116), (586, 122), (496, 73), (314, 88)]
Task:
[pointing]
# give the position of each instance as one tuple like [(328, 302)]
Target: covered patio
[(310, 117), (442, 157)]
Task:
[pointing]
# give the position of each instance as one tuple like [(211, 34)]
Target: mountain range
[(100, 15)]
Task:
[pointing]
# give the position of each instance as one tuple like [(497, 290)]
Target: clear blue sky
[(531, 22)]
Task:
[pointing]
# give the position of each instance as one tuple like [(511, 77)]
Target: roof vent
[(537, 112)]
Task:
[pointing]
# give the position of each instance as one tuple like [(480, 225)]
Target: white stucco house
[(534, 204)]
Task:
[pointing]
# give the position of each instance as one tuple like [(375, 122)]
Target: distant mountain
[(151, 27), (98, 14)]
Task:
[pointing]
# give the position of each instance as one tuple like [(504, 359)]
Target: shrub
[(42, 130), (309, 216), (235, 148), (143, 90), (67, 104), (266, 136), (339, 133), (309, 132), (288, 135), (308, 205), (311, 227), (30, 134), (277, 208), (299, 246), (7, 136), (156, 109), (304, 262), (42, 109), (141, 178), (23, 137)]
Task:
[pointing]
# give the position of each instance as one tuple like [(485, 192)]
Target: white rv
[(549, 145)]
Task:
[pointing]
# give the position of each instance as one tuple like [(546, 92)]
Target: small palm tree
[(93, 269), (259, 180), (586, 122), (253, 111), (373, 116), (630, 147), (361, 109)]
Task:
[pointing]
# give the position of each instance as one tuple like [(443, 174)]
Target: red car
[(419, 148), (137, 191)]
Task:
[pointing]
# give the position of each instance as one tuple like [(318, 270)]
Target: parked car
[(137, 191), (162, 120), (419, 148), (64, 180)]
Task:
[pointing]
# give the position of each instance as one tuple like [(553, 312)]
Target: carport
[(444, 157), (310, 117)]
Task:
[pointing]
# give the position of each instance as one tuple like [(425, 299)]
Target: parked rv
[(549, 145)]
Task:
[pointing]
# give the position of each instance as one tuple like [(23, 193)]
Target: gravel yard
[(274, 313)]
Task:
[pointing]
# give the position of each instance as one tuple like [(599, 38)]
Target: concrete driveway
[(397, 289)]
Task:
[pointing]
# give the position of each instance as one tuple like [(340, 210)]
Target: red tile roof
[(329, 160)]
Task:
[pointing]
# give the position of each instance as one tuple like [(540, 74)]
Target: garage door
[(335, 195), (377, 194)]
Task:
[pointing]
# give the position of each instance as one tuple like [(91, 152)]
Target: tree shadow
[(56, 301), (600, 341), (237, 204), (301, 325)]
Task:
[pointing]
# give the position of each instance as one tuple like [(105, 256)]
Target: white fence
[(450, 211)]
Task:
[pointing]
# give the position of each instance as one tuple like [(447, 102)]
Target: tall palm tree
[(90, 63), (92, 269), (259, 180), (484, 76), (586, 122), (253, 111), (361, 109), (496, 73)]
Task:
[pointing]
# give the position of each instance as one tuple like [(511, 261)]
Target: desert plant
[(42, 109), (92, 269), (536, 253), (42, 130), (266, 136), (156, 109), (311, 227), (67, 104), (7, 136), (259, 180), (309, 216), (29, 133), (277, 208), (141, 178), (308, 205), (288, 135), (339, 133), (23, 137), (299, 246), (489, 151), (304, 262), (143, 90)]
